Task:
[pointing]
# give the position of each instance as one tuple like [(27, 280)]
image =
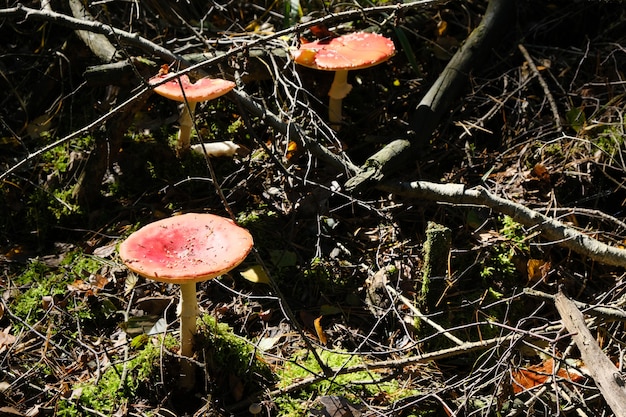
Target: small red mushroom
[(348, 52), (183, 90), (184, 250)]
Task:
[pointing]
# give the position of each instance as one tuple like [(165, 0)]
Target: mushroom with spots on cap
[(183, 90), (341, 54), (184, 250)]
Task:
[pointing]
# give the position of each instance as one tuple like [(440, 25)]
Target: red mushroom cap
[(348, 52), (202, 90), (187, 248)]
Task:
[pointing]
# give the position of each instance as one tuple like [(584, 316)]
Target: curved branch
[(551, 229), (110, 32)]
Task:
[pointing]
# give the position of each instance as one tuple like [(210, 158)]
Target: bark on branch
[(438, 100), (608, 378), (550, 228)]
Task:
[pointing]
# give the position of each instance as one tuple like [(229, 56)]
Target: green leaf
[(408, 51), (576, 118)]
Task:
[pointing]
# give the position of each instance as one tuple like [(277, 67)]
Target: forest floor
[(379, 301)]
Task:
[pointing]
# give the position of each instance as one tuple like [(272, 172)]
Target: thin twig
[(544, 85), (423, 317)]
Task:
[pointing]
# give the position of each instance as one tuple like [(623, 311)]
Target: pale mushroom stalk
[(183, 90), (185, 122), (339, 89), (188, 315), (342, 54), (184, 250)]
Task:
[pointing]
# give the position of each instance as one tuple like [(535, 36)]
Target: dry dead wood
[(550, 228), (608, 378), (438, 99)]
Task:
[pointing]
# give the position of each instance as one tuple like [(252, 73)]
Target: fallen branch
[(550, 228), (438, 99), (607, 377), (96, 42)]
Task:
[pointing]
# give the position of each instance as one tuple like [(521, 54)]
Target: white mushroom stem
[(339, 89), (188, 316), (186, 124)]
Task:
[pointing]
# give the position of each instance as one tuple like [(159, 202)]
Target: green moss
[(35, 282), (610, 140), (352, 386), (39, 280), (229, 356), (500, 262), (78, 263), (436, 252), (138, 377)]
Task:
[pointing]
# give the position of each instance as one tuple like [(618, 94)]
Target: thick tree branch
[(606, 375), (550, 228), (96, 42), (438, 99), (113, 34)]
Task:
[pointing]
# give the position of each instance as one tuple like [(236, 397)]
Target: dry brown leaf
[(321, 335), (541, 172), (97, 283), (534, 375), (6, 338), (78, 286), (537, 270), (100, 281), (105, 251)]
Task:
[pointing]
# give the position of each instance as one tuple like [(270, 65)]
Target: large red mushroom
[(184, 250), (341, 54), (183, 90)]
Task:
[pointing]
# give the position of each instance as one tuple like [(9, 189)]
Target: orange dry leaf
[(320, 331), (537, 270), (442, 28), (532, 376), (541, 172), (97, 282), (292, 148)]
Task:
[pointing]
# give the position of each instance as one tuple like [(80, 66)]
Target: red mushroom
[(184, 250), (182, 89), (348, 52)]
